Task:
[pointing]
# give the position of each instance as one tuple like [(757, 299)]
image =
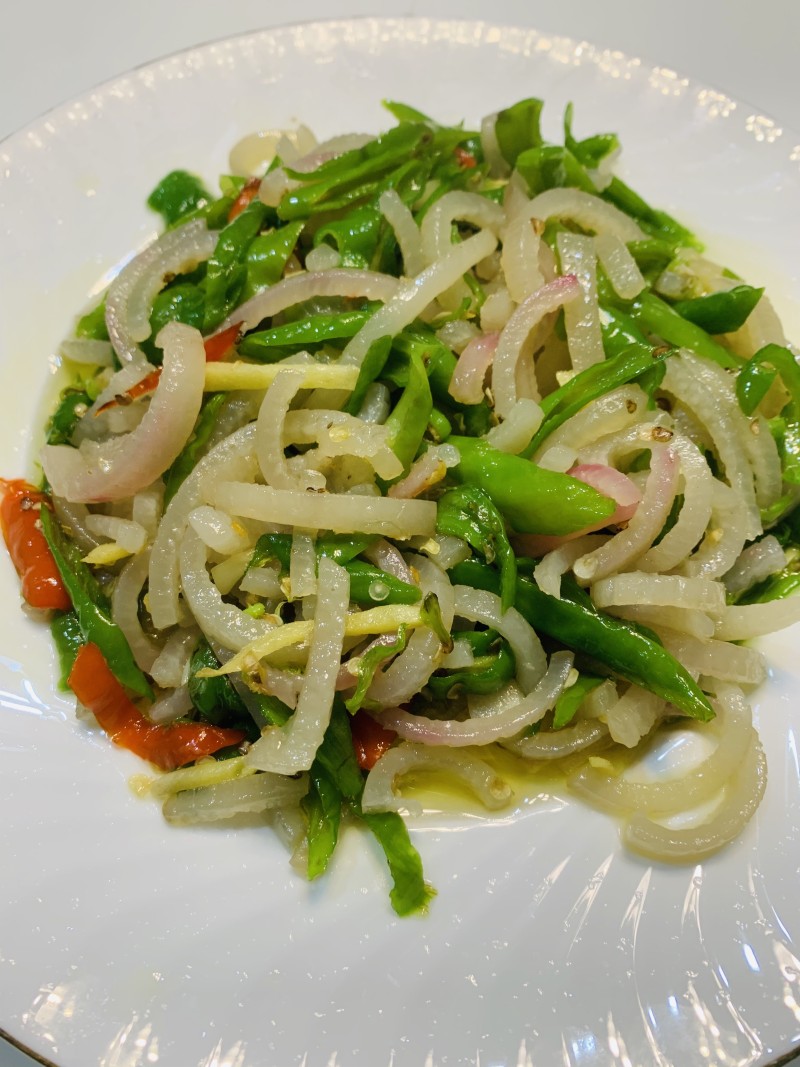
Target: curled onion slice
[(120, 467), (291, 748), (131, 294), (484, 731), (380, 787)]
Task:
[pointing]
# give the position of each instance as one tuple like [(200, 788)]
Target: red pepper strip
[(146, 385), (218, 346), (370, 740), (245, 197), (168, 746), (19, 518), (465, 159)]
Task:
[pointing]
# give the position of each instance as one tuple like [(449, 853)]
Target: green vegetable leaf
[(468, 512), (177, 195), (721, 312), (68, 638), (92, 608), (517, 128)]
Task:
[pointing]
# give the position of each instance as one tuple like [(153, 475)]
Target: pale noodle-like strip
[(515, 341), (235, 457), (269, 437), (581, 317), (328, 511), (380, 788), (626, 546), (291, 748)]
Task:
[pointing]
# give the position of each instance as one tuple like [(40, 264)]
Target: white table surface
[(53, 50)]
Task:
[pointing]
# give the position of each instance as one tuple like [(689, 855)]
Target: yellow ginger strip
[(381, 620), (222, 377)]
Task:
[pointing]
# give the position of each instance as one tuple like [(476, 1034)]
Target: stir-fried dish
[(434, 456)]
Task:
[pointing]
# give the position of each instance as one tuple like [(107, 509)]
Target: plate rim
[(390, 22)]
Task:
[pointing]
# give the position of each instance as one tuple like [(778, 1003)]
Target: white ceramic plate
[(124, 943)]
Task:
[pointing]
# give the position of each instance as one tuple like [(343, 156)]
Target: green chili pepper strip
[(530, 499), (595, 381), (187, 459), (368, 584), (93, 610), (440, 363), (408, 420), (657, 317), (226, 273), (721, 312), (758, 373), (368, 665), (335, 770), (304, 333), (486, 674), (568, 704), (371, 585), (628, 652), (469, 513), (68, 638)]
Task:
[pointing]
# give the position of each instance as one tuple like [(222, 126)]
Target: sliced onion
[(744, 794), (468, 379), (87, 350), (716, 409), (643, 528), (218, 531), (408, 672), (170, 705), (130, 296), (514, 433), (124, 465), (517, 332), (425, 472), (757, 562), (484, 731), (437, 225), (661, 590), (380, 787), (732, 731), (344, 281), (620, 266), (755, 620), (556, 744), (172, 666)]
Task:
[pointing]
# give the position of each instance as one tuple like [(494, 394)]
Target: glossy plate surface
[(124, 943)]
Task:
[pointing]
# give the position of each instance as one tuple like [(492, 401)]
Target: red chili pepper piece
[(218, 346), (19, 518), (465, 159), (146, 385), (370, 740), (167, 746), (245, 197)]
